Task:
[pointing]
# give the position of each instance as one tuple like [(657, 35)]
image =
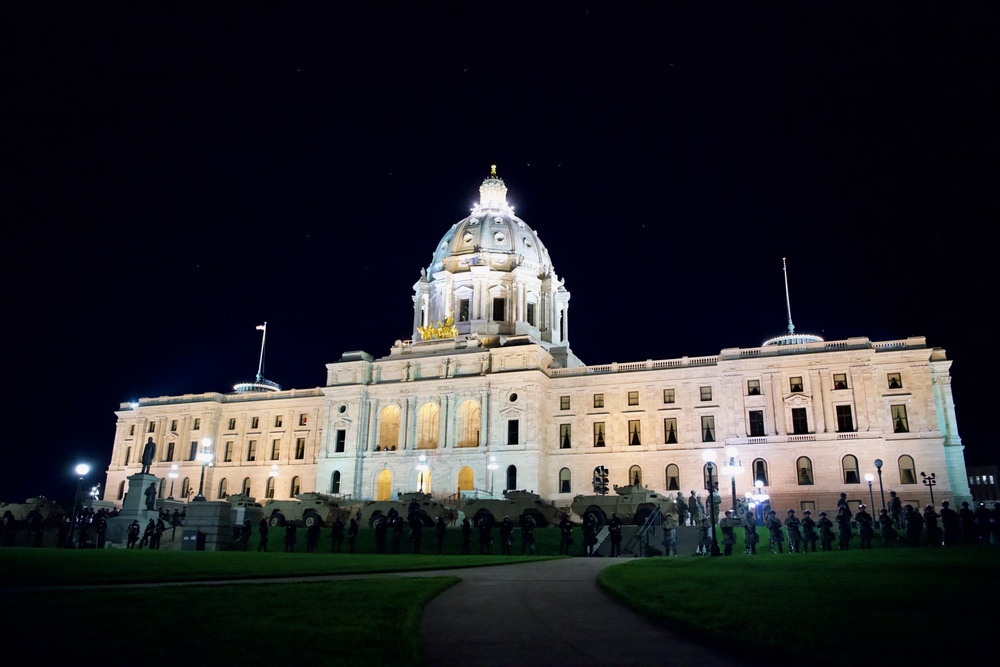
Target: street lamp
[(760, 497), (881, 490), (422, 467), (733, 467), (492, 465), (172, 475), (929, 482), (82, 471), (709, 456), (205, 457), (871, 499)]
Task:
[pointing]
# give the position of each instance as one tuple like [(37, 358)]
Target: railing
[(654, 519)]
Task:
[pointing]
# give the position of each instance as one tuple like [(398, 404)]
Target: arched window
[(511, 478), (760, 471), (428, 426), (270, 488), (293, 489), (223, 486), (466, 479), (383, 485), (469, 416), (805, 471), (850, 464), (121, 491), (565, 481), (335, 482), (246, 486), (163, 486), (673, 477), (388, 429), (635, 475), (710, 481), (186, 487), (907, 470)]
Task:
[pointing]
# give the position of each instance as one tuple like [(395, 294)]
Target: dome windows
[(499, 237), (467, 238), (498, 220)]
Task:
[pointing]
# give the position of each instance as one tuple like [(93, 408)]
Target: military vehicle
[(429, 509), (514, 504), (305, 509), (633, 504), (51, 512)]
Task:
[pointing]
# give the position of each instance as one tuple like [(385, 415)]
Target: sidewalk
[(550, 613)]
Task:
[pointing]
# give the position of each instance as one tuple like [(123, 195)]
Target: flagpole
[(263, 338)]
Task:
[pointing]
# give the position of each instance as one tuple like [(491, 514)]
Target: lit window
[(634, 433), (673, 475), (255, 422), (895, 381), (633, 398), (805, 469), (277, 422), (565, 481), (668, 395), (598, 400), (564, 402), (840, 381), (197, 424), (753, 387), (795, 384), (708, 429), (275, 449), (251, 451), (294, 487), (228, 456), (152, 427), (851, 475), (670, 430), (760, 471), (907, 470), (706, 393), (303, 420), (463, 310), (598, 434), (173, 426), (565, 436), (232, 424), (899, 422)]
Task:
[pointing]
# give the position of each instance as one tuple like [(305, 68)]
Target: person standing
[(506, 535), (381, 532), (842, 504), (615, 535), (290, 536), (416, 531), (147, 534), (669, 535), (692, 504), (896, 510), (485, 534), (527, 535), (844, 527), (776, 537), (793, 527), (337, 535), (466, 536), (245, 531), (808, 532), (439, 532), (728, 526), (931, 521), (970, 535), (889, 534), (952, 523), (312, 536), (704, 538), (682, 509), (982, 516), (750, 536), (101, 521), (161, 528), (825, 532), (914, 526), (352, 535), (565, 535), (589, 535), (262, 533), (866, 527), (132, 534)]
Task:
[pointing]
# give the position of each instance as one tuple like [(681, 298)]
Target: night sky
[(173, 175)]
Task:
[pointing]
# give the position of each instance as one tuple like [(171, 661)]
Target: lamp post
[(871, 499), (732, 467), (205, 457), (491, 466), (423, 468), (760, 497), (172, 475), (82, 471), (929, 482), (709, 456), (881, 489)]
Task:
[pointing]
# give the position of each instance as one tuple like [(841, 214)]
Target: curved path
[(549, 613)]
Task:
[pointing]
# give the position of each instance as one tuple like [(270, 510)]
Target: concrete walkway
[(548, 613)]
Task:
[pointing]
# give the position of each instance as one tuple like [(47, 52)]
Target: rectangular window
[(197, 424), (194, 451), (531, 314), (706, 393), (170, 452), (899, 421), (895, 381), (756, 423), (128, 455), (795, 384), (840, 380), (598, 400), (252, 451), (229, 451), (668, 396), (633, 398), (255, 422), (173, 426), (512, 425), (275, 449), (277, 421), (232, 424), (800, 421), (303, 420), (598, 434), (708, 429), (152, 427), (498, 309), (634, 433), (341, 440), (565, 436), (753, 387), (670, 430), (463, 310), (564, 402), (300, 444), (845, 422), (131, 429)]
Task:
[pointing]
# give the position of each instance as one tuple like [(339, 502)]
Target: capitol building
[(487, 395)]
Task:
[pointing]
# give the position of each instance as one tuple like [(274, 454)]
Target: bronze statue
[(148, 452), (151, 496)]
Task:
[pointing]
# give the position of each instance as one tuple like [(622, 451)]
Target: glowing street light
[(423, 468), (172, 475), (881, 490), (709, 456), (205, 456), (929, 481), (81, 470), (760, 497), (732, 466), (871, 499), (491, 466)]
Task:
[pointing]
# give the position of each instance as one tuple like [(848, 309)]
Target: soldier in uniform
[(914, 526), (312, 537), (381, 530), (133, 534), (466, 537), (615, 535), (931, 521), (844, 527), (682, 509), (866, 527), (889, 534), (728, 526), (669, 535), (485, 534), (808, 532), (825, 532), (262, 528), (398, 526), (793, 527), (439, 532), (290, 536), (694, 506), (896, 510), (589, 534), (161, 527), (352, 535), (750, 536), (527, 535), (952, 523), (506, 535), (245, 531), (565, 535), (774, 531), (147, 534)]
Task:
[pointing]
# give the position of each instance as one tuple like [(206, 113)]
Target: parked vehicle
[(306, 509), (428, 508), (51, 512), (632, 503), (514, 504)]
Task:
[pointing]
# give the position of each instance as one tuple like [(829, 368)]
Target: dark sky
[(172, 175)]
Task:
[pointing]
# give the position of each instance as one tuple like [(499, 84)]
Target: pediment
[(797, 401)]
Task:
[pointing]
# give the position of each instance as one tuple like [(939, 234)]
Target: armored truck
[(632, 503), (514, 504), (429, 509), (305, 509), (51, 512)]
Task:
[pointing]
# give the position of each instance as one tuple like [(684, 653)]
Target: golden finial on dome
[(493, 170)]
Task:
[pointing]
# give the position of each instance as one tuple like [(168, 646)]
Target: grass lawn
[(833, 608)]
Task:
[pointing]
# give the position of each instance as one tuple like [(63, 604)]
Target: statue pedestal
[(135, 496), (213, 519), (133, 507)]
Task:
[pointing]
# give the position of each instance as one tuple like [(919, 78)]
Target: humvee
[(514, 504), (305, 509), (632, 503)]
